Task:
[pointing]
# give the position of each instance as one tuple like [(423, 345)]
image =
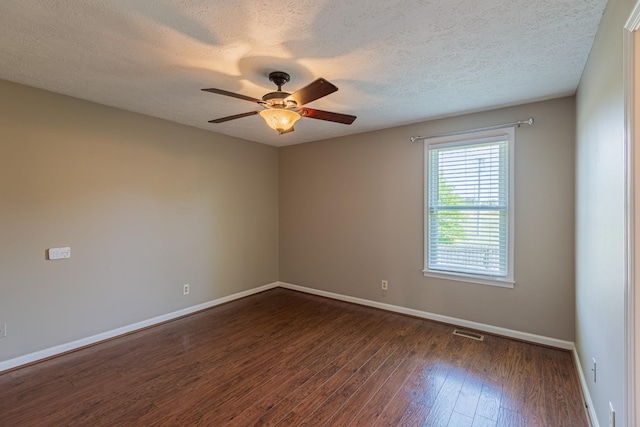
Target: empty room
[(363, 213)]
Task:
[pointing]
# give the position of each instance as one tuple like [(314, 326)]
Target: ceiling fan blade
[(237, 116), (326, 115), (231, 94), (313, 91)]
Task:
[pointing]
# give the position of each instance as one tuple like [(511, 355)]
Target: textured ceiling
[(395, 62)]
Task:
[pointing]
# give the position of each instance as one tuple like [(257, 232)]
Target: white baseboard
[(63, 348), (524, 336), (585, 389)]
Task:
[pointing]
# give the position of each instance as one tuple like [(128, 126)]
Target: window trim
[(507, 281)]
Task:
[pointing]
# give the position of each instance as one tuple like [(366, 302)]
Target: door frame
[(631, 296)]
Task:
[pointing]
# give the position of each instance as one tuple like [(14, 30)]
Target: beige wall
[(600, 213), (351, 215), (145, 205)]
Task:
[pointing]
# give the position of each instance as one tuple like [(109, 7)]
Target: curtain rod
[(529, 121)]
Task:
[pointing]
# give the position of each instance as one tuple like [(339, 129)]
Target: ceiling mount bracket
[(279, 78)]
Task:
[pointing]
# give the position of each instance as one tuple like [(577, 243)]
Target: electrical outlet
[(185, 289), (594, 370), (385, 285), (3, 330), (612, 416)]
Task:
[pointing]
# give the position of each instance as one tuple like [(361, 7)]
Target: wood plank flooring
[(283, 358)]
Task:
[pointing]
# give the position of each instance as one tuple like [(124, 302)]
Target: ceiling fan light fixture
[(279, 119)]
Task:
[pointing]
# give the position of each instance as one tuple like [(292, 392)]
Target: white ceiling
[(395, 62)]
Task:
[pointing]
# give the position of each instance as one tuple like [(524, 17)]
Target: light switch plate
[(59, 253)]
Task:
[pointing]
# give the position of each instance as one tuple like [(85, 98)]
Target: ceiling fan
[(282, 109)]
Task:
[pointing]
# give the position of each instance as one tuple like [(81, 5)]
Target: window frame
[(465, 139)]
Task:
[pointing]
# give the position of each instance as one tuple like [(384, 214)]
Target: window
[(469, 207)]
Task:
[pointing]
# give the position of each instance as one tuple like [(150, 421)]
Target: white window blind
[(468, 212)]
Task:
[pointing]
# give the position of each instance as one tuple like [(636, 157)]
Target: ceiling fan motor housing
[(278, 100)]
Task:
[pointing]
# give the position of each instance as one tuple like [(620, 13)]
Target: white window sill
[(479, 280)]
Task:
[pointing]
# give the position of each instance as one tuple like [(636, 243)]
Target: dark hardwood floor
[(285, 358)]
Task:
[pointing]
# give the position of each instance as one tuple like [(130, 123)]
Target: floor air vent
[(468, 334)]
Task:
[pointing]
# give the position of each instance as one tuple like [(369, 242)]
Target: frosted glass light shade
[(280, 119)]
